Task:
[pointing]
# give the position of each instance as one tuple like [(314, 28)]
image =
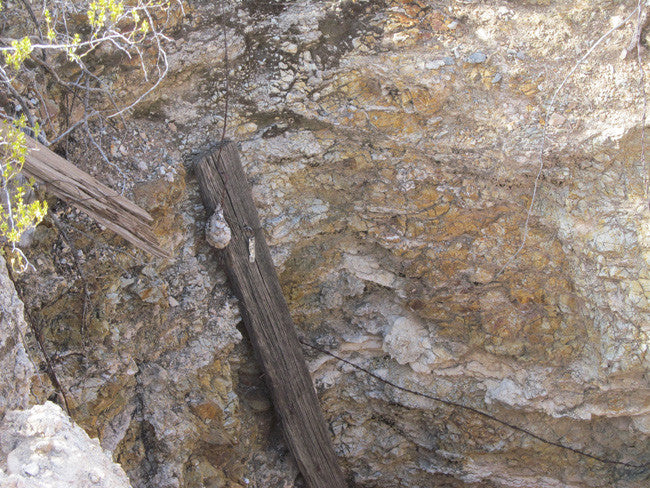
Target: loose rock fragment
[(476, 58)]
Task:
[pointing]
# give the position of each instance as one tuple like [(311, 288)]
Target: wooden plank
[(103, 204), (266, 316)]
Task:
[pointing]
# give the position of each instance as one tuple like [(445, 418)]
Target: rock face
[(16, 368), (41, 447), (394, 148)]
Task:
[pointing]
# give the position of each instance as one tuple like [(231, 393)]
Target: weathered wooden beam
[(266, 316), (103, 204)]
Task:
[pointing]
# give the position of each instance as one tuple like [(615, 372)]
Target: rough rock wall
[(393, 147), (16, 368), (40, 447)]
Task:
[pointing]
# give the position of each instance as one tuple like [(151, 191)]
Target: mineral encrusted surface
[(394, 148)]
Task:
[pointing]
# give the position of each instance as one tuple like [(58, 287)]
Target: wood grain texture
[(103, 204), (266, 316)]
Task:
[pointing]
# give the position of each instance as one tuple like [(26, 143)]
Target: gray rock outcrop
[(41, 447), (16, 368)]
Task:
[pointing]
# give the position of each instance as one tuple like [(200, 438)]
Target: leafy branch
[(58, 52), (16, 214)]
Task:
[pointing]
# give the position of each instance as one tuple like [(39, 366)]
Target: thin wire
[(476, 411), (227, 80), (639, 29), (542, 148), (49, 367)]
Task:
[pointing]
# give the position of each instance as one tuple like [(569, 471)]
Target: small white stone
[(642, 423), (94, 478), (31, 469), (438, 63), (407, 341), (556, 120), (286, 76), (290, 48)]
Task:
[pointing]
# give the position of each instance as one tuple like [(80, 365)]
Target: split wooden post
[(266, 316), (103, 204)]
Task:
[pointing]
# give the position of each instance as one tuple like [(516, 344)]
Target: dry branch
[(103, 204)]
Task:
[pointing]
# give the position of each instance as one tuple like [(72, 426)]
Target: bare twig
[(80, 273), (112, 249), (642, 22), (32, 17), (23, 103), (105, 158), (48, 117), (73, 127)]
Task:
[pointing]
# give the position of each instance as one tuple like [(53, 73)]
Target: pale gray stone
[(16, 368), (41, 447)]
